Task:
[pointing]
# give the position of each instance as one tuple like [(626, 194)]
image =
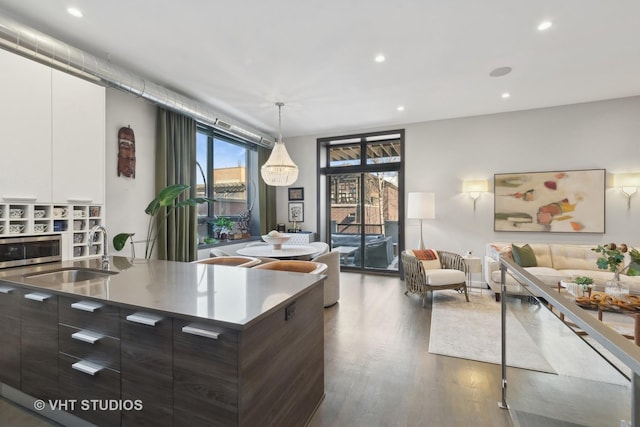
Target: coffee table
[(597, 300)]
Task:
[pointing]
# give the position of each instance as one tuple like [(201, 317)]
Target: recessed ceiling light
[(506, 95), (380, 58), (400, 108), (74, 12), (544, 25), (499, 72)]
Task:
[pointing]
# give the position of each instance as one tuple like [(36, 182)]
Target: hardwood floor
[(378, 371), (14, 415)]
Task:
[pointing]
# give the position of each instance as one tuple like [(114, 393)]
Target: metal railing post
[(503, 332), (635, 395)]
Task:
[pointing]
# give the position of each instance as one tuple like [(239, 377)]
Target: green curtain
[(176, 164), (266, 196)]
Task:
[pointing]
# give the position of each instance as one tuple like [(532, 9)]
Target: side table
[(474, 265)]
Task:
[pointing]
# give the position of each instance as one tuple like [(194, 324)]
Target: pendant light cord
[(280, 105)]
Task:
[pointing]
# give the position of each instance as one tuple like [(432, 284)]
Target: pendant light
[(279, 169)]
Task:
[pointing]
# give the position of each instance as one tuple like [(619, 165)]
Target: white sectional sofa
[(556, 262)]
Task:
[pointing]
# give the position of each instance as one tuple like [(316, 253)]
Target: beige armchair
[(420, 280)]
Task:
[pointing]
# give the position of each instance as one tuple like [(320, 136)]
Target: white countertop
[(232, 296)]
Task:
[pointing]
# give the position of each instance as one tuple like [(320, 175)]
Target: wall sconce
[(474, 187), (421, 206), (628, 183)]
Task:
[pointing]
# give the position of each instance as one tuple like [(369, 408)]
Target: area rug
[(471, 330), (536, 339)]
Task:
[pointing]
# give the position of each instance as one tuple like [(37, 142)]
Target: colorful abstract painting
[(559, 202)]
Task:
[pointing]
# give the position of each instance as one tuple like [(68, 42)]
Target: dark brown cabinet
[(205, 371), (39, 344), (89, 360), (147, 367), (163, 369), (10, 336)]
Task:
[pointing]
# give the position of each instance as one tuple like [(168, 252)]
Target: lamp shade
[(626, 180), (421, 205), (279, 169), (475, 186)]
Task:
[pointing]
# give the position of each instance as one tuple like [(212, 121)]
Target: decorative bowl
[(276, 242)]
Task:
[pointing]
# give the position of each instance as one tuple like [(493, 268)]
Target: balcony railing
[(594, 375)]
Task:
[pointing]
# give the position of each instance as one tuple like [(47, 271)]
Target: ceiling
[(318, 56)]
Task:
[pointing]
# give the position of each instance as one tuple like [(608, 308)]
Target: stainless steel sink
[(70, 275)]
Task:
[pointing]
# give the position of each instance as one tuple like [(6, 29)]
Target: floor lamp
[(421, 206)]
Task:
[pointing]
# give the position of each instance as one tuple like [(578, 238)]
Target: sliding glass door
[(361, 186)]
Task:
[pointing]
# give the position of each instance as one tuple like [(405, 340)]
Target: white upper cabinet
[(25, 123), (78, 140)]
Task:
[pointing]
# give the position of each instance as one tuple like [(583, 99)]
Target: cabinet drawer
[(104, 385), (104, 320), (39, 344), (10, 336), (205, 372), (94, 347), (147, 367)]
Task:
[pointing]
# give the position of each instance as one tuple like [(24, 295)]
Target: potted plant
[(166, 198), (222, 226), (613, 260), (585, 283)]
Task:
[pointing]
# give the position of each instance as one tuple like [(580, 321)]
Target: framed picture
[(296, 193), (557, 202), (296, 212)]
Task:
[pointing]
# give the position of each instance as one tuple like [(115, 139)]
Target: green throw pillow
[(524, 256)]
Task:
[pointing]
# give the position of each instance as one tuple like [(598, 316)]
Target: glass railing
[(561, 365)]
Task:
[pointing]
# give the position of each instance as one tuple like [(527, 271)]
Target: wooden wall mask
[(126, 152)]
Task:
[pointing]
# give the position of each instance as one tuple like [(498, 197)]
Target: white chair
[(322, 247), (218, 252), (332, 282), (233, 260), (264, 259), (295, 266)]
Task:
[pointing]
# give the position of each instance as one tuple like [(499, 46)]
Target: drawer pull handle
[(36, 296), (200, 332), (87, 367), (6, 289), (86, 306), (86, 336), (144, 318)]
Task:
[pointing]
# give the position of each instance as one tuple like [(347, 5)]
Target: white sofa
[(556, 262)]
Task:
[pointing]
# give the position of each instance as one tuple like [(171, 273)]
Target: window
[(361, 199), (225, 172)]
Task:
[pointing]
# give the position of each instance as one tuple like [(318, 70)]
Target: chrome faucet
[(105, 244)]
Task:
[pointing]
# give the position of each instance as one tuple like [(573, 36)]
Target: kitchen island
[(171, 343)]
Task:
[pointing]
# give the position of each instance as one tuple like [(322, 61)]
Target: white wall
[(127, 198), (440, 154)]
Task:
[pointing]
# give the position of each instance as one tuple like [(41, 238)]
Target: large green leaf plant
[(166, 198)]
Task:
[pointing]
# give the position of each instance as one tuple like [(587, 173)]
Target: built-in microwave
[(27, 250)]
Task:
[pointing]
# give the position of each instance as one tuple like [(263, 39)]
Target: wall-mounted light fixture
[(628, 183), (474, 187), (421, 206)]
